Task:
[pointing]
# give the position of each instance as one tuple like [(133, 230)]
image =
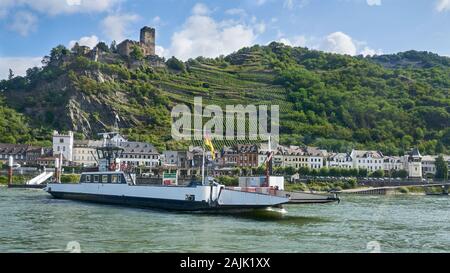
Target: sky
[(190, 28)]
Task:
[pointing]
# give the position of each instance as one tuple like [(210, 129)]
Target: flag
[(269, 156), (209, 144)]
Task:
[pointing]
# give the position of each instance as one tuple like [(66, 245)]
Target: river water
[(31, 221)]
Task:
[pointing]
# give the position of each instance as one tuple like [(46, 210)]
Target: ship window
[(88, 179), (95, 178), (114, 178), (104, 179)]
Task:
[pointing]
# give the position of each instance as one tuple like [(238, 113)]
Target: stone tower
[(147, 40)]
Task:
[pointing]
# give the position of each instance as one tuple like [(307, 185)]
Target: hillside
[(390, 102)]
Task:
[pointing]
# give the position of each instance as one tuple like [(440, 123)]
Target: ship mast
[(203, 165), (269, 162)]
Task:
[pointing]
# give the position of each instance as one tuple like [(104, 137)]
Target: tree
[(176, 64), (378, 174), (362, 173), (304, 171), (57, 53), (102, 47), (324, 172), (11, 74), (336, 172), (136, 53), (441, 168), (33, 73), (439, 148), (113, 46), (76, 48), (289, 170), (399, 173)]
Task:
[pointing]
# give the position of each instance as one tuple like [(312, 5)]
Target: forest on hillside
[(337, 102)]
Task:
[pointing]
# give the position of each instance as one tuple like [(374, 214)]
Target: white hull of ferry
[(196, 198)]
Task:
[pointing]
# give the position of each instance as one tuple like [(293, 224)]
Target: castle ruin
[(146, 43)]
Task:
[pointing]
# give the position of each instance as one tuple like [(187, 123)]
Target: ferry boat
[(114, 184)]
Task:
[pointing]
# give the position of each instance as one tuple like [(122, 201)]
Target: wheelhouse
[(105, 178)]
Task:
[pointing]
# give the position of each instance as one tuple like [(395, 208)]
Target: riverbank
[(352, 187)]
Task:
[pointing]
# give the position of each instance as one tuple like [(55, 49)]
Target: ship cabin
[(106, 178)]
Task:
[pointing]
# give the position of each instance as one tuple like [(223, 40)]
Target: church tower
[(147, 40)]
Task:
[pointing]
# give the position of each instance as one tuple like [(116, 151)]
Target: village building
[(63, 144), (413, 163), (247, 155), (50, 160), (292, 156), (316, 157), (140, 154), (429, 165), (85, 153), (393, 163), (23, 154), (370, 160), (340, 161)]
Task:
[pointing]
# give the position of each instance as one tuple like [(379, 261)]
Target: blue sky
[(187, 28)]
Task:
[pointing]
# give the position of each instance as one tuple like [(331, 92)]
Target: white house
[(340, 160), (316, 157), (63, 144), (140, 154), (393, 163), (369, 160)]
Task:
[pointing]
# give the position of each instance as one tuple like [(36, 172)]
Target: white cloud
[(289, 4), (19, 65), (239, 12), (374, 2), (162, 52), (200, 9), (339, 42), (55, 7), (260, 2), (260, 28), (443, 5), (201, 35), (90, 41), (336, 42), (5, 5), (295, 41), (50, 7), (367, 51), (116, 26), (156, 20), (24, 22)]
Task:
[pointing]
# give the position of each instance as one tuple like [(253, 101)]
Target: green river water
[(31, 221)]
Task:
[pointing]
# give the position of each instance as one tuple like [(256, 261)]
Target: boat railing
[(260, 190)]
